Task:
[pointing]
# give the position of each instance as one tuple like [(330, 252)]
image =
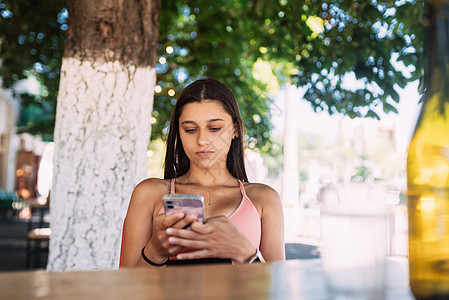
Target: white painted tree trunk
[(102, 134), (290, 175)]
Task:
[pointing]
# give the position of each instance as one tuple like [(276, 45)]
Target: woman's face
[(206, 132)]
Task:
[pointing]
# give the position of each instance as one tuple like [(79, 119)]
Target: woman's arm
[(272, 243), (144, 227), (217, 238)]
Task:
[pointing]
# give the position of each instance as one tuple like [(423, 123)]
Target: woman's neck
[(207, 178)]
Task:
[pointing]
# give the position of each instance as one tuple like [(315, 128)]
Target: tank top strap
[(172, 186), (242, 189)]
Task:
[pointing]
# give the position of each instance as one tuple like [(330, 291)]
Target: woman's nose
[(203, 139)]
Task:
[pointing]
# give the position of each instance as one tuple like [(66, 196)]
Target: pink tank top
[(245, 217)]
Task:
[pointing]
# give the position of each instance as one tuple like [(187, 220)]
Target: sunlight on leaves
[(315, 24)]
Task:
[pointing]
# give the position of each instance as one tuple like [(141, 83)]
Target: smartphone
[(186, 203)]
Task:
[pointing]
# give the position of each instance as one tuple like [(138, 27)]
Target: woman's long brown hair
[(176, 161)]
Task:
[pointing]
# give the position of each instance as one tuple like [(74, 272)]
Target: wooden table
[(293, 279)]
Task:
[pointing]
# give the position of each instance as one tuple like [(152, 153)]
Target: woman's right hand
[(158, 249)]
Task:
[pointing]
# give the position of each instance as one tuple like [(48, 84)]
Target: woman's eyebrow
[(208, 121), (188, 122), (215, 120)]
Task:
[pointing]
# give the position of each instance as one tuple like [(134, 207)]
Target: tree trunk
[(102, 128)]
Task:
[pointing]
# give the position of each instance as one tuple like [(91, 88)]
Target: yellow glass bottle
[(428, 167)]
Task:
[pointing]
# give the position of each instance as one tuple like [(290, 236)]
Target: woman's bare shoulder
[(256, 191), (153, 184), (265, 199), (151, 190)]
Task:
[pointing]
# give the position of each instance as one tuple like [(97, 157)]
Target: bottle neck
[(437, 47)]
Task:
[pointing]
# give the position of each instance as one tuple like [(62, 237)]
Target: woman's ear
[(236, 131)]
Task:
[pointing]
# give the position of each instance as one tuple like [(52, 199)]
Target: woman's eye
[(214, 129), (190, 130)]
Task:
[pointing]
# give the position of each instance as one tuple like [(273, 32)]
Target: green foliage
[(324, 40), (32, 38), (208, 39), (311, 43)]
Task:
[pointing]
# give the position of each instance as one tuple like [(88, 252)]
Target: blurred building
[(369, 151), (9, 114), (20, 153)]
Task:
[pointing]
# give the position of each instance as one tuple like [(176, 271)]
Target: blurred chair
[(37, 246)]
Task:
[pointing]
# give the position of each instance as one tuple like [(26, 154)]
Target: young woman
[(244, 221)]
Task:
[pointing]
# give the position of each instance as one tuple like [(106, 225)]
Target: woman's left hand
[(218, 238)]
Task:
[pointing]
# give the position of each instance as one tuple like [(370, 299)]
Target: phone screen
[(186, 203)]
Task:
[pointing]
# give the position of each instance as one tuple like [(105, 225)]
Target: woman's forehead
[(204, 111)]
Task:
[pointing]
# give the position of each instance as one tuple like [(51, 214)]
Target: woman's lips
[(204, 153)]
